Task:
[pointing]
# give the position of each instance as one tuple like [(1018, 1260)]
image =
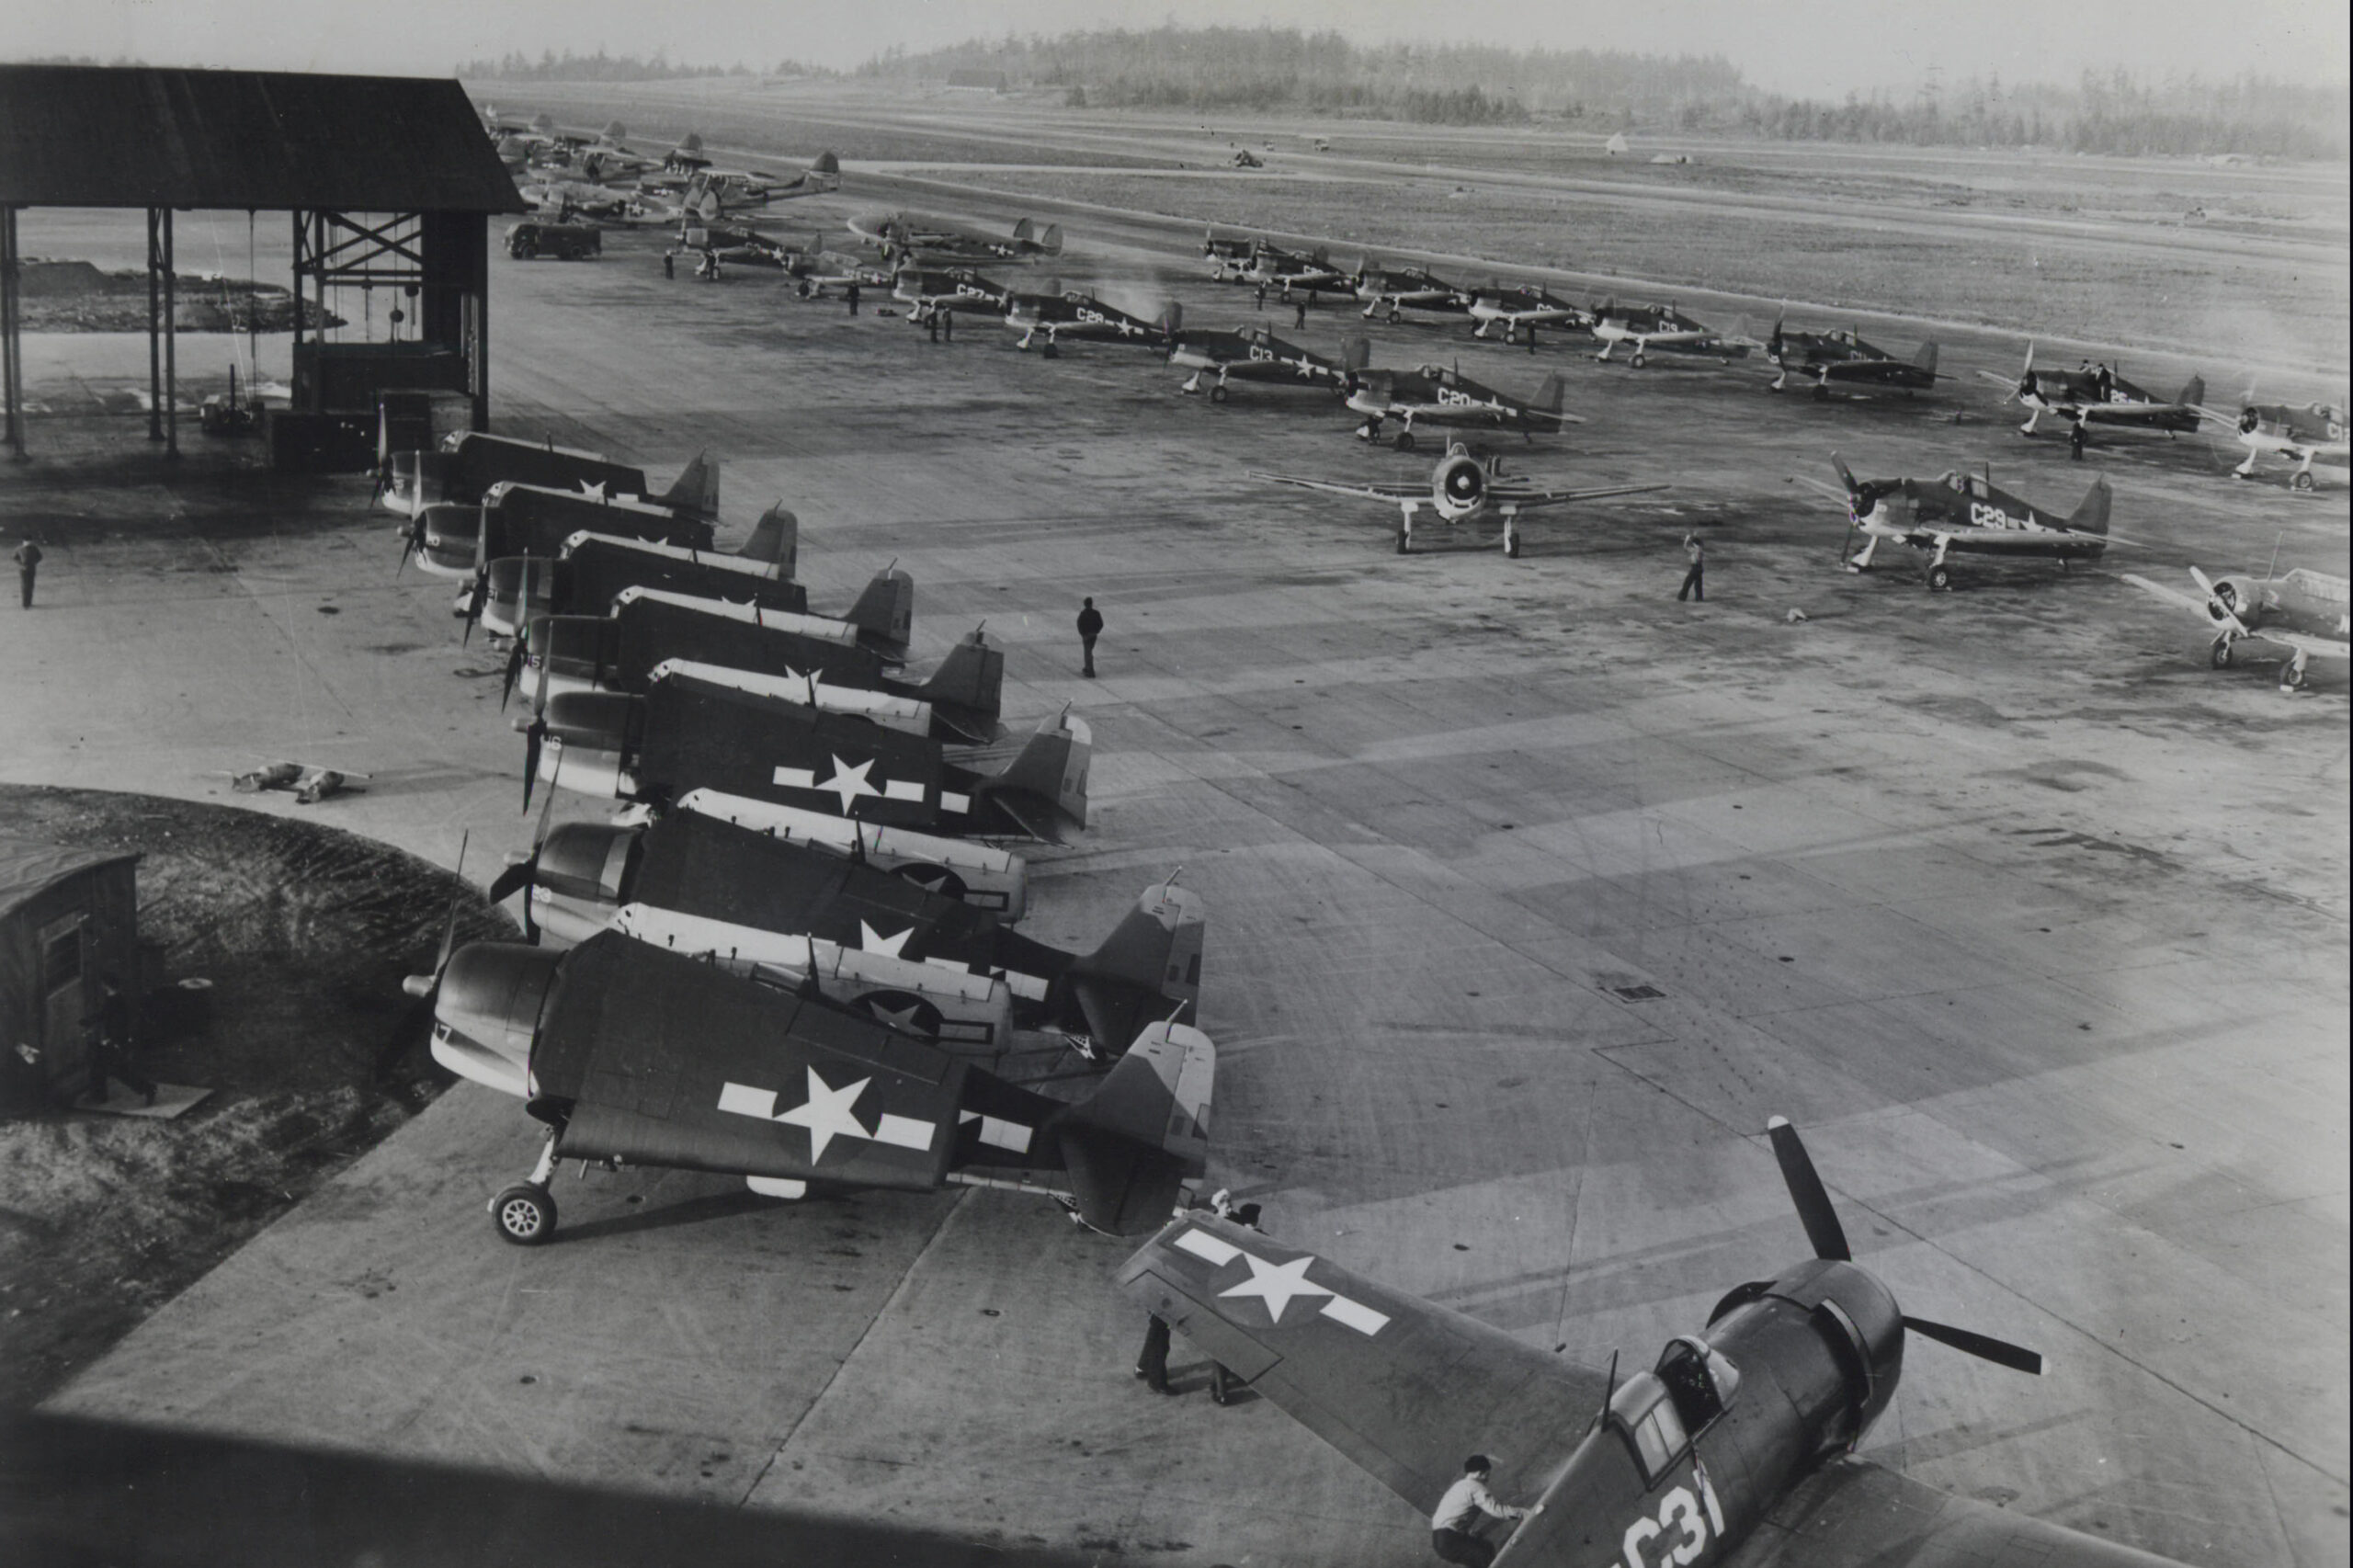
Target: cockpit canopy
[(1659, 1411)]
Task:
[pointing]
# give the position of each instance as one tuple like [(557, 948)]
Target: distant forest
[(517, 66)]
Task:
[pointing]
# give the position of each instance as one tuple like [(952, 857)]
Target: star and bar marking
[(828, 1113), (1279, 1284), (850, 783)]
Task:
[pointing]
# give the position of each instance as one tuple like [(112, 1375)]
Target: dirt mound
[(313, 1050)]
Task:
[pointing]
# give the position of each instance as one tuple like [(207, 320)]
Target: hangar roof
[(29, 870), (134, 136)]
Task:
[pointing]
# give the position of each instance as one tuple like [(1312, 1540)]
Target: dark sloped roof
[(107, 136), (28, 869)]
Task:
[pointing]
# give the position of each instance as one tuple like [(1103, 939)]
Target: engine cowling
[(1459, 488), (487, 1010)]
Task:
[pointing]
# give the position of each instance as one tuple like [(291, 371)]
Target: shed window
[(60, 958)]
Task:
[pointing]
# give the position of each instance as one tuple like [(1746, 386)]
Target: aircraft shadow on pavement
[(688, 1211)]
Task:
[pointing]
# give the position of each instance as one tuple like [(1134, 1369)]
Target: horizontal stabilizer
[(1129, 1145)]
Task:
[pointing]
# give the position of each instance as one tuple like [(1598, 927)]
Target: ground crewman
[(1454, 1525), (28, 559), (1695, 581), (1090, 627)]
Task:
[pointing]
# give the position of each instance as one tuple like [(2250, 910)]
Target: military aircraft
[(1461, 488), (1396, 288), (1661, 328), (1735, 1450), (1965, 513), (737, 188), (926, 292), (1442, 395), (917, 239), (589, 570), (636, 1056), (989, 879), (468, 462), (2094, 394), (1253, 354), (2314, 433), (460, 540), (1076, 314), (1289, 271), (2303, 611), (700, 885), (685, 734), (1524, 310), (1223, 254), (1842, 358)]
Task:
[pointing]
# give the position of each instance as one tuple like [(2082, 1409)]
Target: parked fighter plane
[(706, 886), (1461, 488), (688, 734), (2314, 433), (918, 239), (1396, 288), (2305, 612), (458, 539), (739, 188), (1660, 328), (1291, 272), (987, 878), (1524, 310), (589, 570), (468, 462), (926, 293), (785, 1089), (2094, 394), (1842, 358), (1438, 394), (1253, 354), (1079, 316), (1962, 513), (1753, 1419)]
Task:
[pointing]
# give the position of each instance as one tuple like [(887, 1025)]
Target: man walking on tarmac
[(1090, 627), (1453, 1528), (27, 562)]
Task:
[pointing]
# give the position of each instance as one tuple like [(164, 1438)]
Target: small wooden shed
[(67, 917)]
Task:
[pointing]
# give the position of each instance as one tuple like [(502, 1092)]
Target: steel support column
[(154, 328), (12, 343), (171, 348)]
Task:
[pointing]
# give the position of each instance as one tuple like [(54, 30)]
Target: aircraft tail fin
[(885, 613), (1172, 320), (2193, 392), (696, 489), (1547, 396), (967, 689), (1129, 1145), (2091, 516), (1044, 789), (1927, 358), (1356, 353), (1051, 242), (826, 164), (1150, 967), (776, 539), (1024, 229)]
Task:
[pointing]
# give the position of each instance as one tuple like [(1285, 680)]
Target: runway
[(2036, 924)]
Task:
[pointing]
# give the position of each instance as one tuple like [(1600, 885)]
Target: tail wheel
[(525, 1215), (1939, 579)]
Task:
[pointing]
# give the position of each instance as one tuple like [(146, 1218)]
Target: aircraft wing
[(2133, 413), (2303, 642), (1855, 1514), (1391, 493), (1504, 500), (1403, 1388)]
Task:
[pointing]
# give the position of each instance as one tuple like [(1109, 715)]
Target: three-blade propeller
[(1829, 1239)]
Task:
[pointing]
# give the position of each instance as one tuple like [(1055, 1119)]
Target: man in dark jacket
[(1090, 627), (27, 562)]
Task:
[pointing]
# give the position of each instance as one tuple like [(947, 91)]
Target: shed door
[(65, 988)]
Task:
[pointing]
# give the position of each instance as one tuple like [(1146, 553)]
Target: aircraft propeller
[(422, 985), (525, 873), (1829, 1238), (412, 540), (2220, 604), (476, 596), (535, 736)]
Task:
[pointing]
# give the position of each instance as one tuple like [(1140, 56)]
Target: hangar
[(67, 916), (388, 182)]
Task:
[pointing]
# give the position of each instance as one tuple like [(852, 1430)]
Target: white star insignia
[(826, 1114), (850, 783), (873, 941), (1277, 1283)]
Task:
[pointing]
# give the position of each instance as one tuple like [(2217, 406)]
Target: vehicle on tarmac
[(1252, 354), (632, 1055), (1390, 290), (535, 238), (1442, 395), (918, 239), (1841, 360), (1963, 514), (2303, 611), (1661, 329), (2304, 436), (2094, 394), (1736, 1449), (1463, 488), (1046, 320), (1524, 310)]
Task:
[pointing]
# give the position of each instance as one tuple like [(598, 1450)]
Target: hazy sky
[(1813, 47)]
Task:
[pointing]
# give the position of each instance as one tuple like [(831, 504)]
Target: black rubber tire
[(1049, 351), (524, 1215), (1404, 440), (1638, 362), (2291, 678), (1217, 392), (1939, 579), (526, 250), (1511, 548), (1821, 392), (1403, 542), (2300, 481), (2221, 656)]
